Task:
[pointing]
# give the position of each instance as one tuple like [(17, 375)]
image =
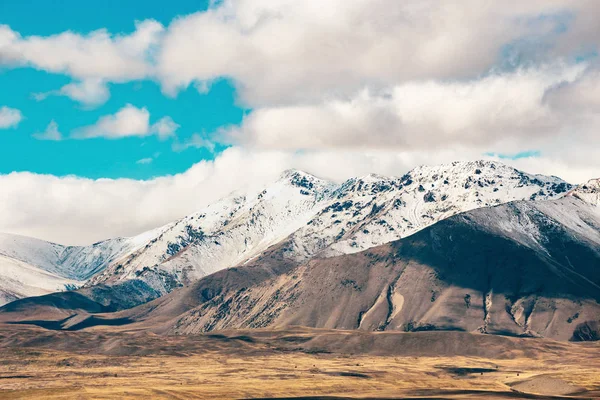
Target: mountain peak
[(293, 173), (374, 178), (588, 192), (476, 167), (321, 216), (593, 184), (303, 180)]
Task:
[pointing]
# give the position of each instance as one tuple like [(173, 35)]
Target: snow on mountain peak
[(588, 192), (313, 215), (592, 185), (225, 233), (307, 183), (375, 210)]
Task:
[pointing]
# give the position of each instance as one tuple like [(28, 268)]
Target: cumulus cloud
[(283, 52), (91, 60), (97, 55), (50, 133), (9, 117), (337, 47), (552, 109), (510, 110), (127, 122), (74, 210)]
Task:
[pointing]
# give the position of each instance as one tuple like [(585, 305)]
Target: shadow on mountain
[(87, 322), (54, 308), (519, 269)]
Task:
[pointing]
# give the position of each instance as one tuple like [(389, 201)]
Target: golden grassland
[(255, 371)]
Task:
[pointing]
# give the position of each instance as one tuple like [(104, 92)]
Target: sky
[(119, 116)]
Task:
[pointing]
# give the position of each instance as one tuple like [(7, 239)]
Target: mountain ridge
[(323, 216), (524, 268), (313, 215), (480, 271)]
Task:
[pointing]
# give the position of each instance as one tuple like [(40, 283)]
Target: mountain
[(370, 211), (20, 279), (588, 192), (314, 216), (223, 234), (311, 215), (32, 267), (526, 268)]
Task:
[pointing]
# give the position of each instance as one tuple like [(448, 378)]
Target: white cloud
[(98, 55), (74, 210), (504, 112), (285, 52), (196, 141), (50, 133), (144, 161), (164, 128), (91, 60), (9, 117), (551, 109), (90, 92), (129, 121)]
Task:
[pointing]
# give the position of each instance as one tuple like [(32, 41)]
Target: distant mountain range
[(472, 246), (313, 215)]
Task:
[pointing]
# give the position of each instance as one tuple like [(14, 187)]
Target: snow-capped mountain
[(525, 268), (314, 216), (311, 216), (373, 210), (223, 234), (19, 279), (73, 262), (588, 192), (33, 267)]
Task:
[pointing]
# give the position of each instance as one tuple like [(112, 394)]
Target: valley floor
[(298, 362)]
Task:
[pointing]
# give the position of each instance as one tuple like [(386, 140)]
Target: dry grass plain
[(296, 363)]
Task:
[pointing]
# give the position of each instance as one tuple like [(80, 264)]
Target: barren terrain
[(296, 362)]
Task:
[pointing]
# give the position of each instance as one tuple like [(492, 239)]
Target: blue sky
[(39, 17), (195, 112)]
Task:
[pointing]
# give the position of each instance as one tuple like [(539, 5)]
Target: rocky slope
[(313, 216), (223, 234), (527, 268), (310, 215), (524, 269)]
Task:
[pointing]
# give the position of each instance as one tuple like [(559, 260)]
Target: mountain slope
[(223, 234), (588, 192), (523, 268), (314, 216), (32, 267), (374, 210), (310, 215), (20, 279), (39, 253)]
